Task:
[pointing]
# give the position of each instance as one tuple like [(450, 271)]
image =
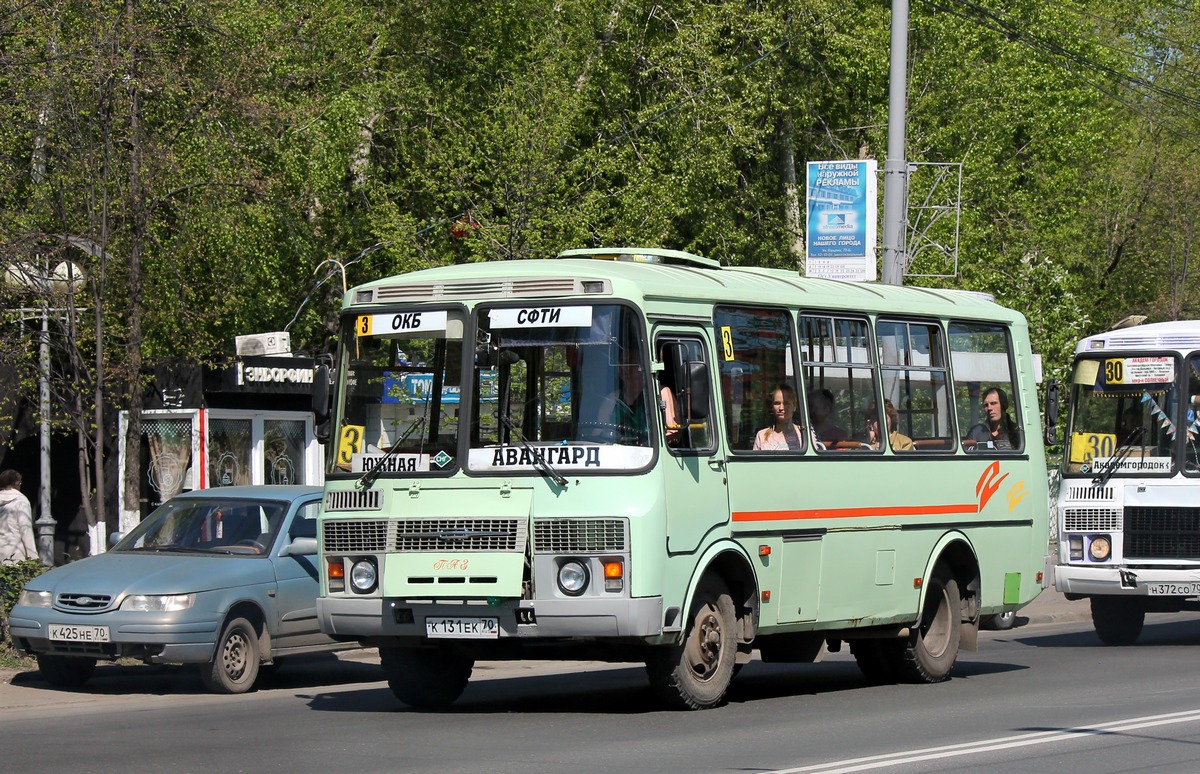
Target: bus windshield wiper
[(539, 461), (369, 477), (1115, 461)]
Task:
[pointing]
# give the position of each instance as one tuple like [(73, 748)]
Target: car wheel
[(1001, 622), (66, 671), (234, 667)]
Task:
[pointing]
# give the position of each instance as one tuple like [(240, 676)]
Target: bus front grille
[(1162, 533), (580, 536), (354, 536), (460, 534), (1091, 520)]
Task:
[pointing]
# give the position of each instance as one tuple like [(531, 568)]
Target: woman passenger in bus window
[(896, 439), (997, 431), (783, 433)]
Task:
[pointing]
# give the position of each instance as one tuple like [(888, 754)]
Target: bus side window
[(916, 379), (985, 395), (756, 356), (683, 394)]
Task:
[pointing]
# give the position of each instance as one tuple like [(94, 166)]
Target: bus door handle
[(716, 463)]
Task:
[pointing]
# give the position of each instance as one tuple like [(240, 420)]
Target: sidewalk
[(1052, 607)]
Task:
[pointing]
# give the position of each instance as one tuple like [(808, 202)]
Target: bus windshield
[(563, 385), (1127, 416), (399, 398)]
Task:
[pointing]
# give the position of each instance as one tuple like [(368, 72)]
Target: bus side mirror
[(1052, 401), (320, 401)]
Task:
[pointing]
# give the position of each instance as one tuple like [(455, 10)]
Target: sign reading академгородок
[(842, 210)]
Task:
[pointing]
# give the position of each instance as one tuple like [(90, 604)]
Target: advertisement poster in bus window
[(842, 211)]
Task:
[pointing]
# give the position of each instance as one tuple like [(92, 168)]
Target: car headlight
[(572, 577), (158, 603), (33, 598), (363, 576)]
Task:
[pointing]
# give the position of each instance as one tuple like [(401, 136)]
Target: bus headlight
[(1100, 548), (572, 577), (363, 576)]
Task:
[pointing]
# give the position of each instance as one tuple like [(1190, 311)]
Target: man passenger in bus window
[(997, 431), (783, 432), (821, 410), (896, 439)]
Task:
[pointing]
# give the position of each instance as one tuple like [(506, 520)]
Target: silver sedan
[(225, 577)]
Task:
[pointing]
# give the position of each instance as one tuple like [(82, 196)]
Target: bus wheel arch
[(948, 615), (718, 629)]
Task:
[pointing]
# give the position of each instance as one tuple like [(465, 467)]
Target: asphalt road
[(1046, 696)]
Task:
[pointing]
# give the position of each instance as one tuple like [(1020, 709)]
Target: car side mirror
[(320, 401), (301, 546), (698, 390), (115, 538)]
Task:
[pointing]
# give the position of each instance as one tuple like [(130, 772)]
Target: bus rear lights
[(1099, 548), (335, 572), (1075, 547), (364, 576), (614, 576), (572, 577)]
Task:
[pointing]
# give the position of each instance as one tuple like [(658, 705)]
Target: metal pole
[(45, 522), (895, 167)]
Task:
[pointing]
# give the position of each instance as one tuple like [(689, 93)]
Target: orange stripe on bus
[(856, 513)]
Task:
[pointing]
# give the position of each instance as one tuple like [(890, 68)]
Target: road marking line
[(990, 745)]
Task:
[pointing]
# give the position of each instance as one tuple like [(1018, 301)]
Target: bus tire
[(696, 673), (875, 659), (66, 671), (426, 678), (929, 653), (1117, 620)]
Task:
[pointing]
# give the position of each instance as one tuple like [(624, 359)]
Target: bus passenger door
[(693, 469)]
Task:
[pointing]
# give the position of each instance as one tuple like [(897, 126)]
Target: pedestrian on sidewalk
[(16, 521)]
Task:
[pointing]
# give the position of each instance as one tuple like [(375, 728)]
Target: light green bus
[(640, 455)]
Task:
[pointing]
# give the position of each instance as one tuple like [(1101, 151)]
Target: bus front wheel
[(1117, 620), (696, 673), (426, 678), (929, 653)]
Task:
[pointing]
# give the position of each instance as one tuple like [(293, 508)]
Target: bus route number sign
[(1139, 370), (399, 322)]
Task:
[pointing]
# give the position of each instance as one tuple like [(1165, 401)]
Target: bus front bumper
[(1119, 581), (362, 618)]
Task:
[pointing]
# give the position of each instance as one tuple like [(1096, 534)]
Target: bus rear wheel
[(426, 678), (1117, 620), (696, 673), (929, 653)]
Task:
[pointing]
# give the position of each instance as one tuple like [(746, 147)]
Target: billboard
[(842, 211)]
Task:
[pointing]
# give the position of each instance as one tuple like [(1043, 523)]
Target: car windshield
[(563, 386), (1125, 416), (207, 525)]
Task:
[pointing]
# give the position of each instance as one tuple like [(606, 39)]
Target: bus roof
[(1181, 335), (653, 275)]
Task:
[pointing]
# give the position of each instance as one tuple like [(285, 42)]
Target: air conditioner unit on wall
[(274, 343)]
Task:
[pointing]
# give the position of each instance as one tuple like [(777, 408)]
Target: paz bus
[(557, 459), (1129, 516)]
